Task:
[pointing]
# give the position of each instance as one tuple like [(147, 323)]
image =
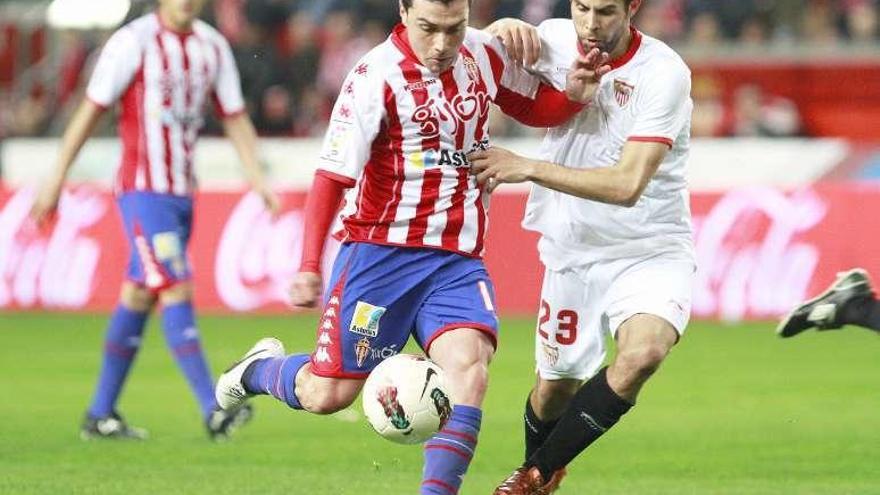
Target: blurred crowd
[(294, 54)]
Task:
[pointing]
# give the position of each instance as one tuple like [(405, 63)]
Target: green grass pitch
[(734, 410)]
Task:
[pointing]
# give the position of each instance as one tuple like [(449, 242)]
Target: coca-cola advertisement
[(760, 250)]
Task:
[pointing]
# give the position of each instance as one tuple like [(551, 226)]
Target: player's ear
[(403, 10), (634, 7)]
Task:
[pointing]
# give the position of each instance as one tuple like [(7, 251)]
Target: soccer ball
[(406, 399)]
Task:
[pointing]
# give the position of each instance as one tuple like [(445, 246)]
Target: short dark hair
[(408, 3)]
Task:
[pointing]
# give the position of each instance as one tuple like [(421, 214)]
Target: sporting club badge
[(472, 69), (362, 350), (622, 92)]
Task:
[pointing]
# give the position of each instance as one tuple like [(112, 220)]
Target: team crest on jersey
[(551, 353), (472, 69), (622, 92), (366, 319)]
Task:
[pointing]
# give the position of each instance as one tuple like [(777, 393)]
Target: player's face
[(436, 31), (181, 13), (602, 24)]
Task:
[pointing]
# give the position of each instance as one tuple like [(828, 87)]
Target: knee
[(323, 397), (469, 372), (643, 361), (464, 356), (551, 397), (176, 294), (326, 404), (137, 298)]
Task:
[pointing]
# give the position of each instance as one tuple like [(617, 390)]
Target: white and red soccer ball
[(406, 399)]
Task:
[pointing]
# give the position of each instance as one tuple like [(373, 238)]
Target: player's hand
[(586, 72), (520, 39), (306, 289), (46, 204), (270, 200), (495, 166)]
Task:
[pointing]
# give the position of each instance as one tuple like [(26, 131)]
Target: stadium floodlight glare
[(87, 14)]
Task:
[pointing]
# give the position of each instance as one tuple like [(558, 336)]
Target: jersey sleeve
[(116, 68), (354, 123), (662, 106), (228, 99), (550, 32), (523, 96)]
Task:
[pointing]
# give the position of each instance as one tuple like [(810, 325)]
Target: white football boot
[(230, 392)]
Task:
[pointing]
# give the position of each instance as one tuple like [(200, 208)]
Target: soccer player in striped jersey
[(412, 224), (610, 200), (162, 69)]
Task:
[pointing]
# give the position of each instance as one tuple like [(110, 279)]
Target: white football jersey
[(645, 97)]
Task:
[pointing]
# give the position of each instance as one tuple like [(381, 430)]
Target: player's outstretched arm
[(78, 131), (321, 207), (621, 184), (520, 39), (241, 132)]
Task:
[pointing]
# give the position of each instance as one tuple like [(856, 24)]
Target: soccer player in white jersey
[(163, 69), (412, 225), (610, 201)]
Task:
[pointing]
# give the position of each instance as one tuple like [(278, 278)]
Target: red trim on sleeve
[(345, 181), (549, 108), (100, 106), (233, 114), (321, 207), (651, 139), (221, 112)]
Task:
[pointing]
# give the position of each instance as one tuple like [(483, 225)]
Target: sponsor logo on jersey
[(362, 350), (462, 108), (429, 159), (366, 319), (622, 91), (419, 85)]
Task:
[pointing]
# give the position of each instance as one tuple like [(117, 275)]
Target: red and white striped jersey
[(163, 80), (400, 134)]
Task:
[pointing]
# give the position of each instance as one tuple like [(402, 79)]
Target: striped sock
[(120, 348), (448, 454), (182, 336), (276, 377)]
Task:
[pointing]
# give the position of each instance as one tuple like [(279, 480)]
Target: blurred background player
[(163, 68), (414, 222), (611, 205), (850, 300)]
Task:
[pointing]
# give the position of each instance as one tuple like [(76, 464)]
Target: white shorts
[(581, 306)]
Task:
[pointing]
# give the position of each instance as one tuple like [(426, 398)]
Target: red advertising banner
[(759, 250)]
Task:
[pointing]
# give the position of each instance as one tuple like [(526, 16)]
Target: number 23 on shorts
[(566, 329)]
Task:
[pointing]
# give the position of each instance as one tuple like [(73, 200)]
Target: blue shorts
[(158, 227), (379, 295)]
